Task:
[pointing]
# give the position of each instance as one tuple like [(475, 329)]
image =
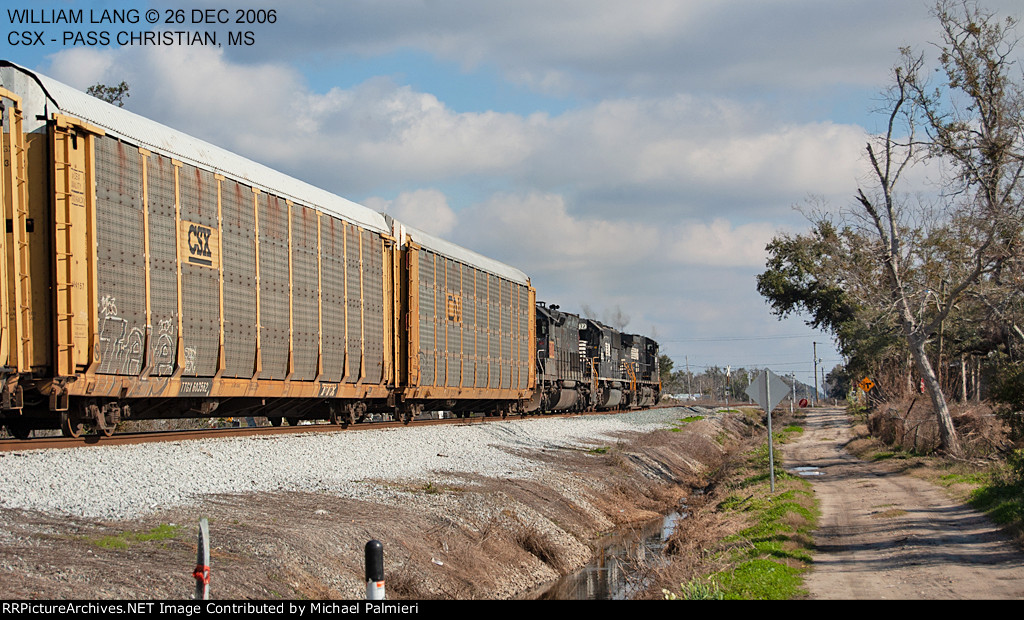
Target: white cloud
[(538, 232), (719, 243), (603, 46), (354, 141), (426, 209), (82, 67)]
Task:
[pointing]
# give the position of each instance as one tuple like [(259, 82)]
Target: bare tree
[(971, 122)]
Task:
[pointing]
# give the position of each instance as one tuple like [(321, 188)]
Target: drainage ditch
[(621, 567)]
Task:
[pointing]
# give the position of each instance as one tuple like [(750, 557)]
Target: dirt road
[(885, 535)]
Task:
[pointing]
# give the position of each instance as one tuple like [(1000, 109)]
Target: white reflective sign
[(767, 384)]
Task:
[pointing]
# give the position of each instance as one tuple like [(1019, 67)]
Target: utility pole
[(824, 386), (689, 383), (814, 401), (793, 396)]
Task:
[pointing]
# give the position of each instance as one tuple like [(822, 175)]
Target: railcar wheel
[(292, 421), (19, 430), (275, 421), (107, 418), (70, 427), (408, 412)]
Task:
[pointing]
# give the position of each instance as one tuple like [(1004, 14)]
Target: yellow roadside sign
[(866, 384)]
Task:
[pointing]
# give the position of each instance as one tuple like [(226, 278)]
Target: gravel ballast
[(123, 482)]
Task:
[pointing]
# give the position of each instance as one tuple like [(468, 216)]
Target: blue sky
[(631, 157)]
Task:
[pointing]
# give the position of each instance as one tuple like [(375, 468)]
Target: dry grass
[(909, 424), (534, 542)]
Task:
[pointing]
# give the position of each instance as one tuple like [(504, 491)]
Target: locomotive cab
[(560, 369)]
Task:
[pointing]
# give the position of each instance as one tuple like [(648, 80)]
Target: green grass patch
[(1002, 498), (767, 558), (123, 540), (112, 542), (975, 478), (761, 579), (758, 462), (772, 553), (1004, 505), (678, 427), (601, 450)]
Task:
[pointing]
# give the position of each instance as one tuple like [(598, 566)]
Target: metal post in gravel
[(202, 571), (374, 571)]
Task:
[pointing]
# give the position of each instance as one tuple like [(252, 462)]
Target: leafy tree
[(111, 94), (665, 365), (798, 280), (830, 275)]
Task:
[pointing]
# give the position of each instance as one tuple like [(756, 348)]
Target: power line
[(737, 338)]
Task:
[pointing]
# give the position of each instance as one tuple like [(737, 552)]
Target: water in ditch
[(619, 567)]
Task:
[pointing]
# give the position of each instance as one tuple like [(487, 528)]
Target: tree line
[(717, 384), (921, 283)]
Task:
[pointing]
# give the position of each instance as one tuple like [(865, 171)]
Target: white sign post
[(768, 390)]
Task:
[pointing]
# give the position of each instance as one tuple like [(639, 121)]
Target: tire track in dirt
[(885, 535)]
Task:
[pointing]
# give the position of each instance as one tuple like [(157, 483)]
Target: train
[(147, 274)]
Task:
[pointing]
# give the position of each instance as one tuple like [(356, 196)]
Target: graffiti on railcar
[(122, 348), (190, 360), (163, 347)]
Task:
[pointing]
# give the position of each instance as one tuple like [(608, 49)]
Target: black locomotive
[(584, 365)]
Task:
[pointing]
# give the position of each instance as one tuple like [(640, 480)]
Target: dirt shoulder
[(886, 535)]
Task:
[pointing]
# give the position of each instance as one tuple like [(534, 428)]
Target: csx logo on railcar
[(199, 244)]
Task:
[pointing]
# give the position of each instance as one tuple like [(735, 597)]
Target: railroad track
[(50, 443), (46, 443)]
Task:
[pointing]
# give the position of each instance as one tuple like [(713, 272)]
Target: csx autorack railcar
[(147, 274)]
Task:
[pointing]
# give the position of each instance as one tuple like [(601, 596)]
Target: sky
[(634, 158)]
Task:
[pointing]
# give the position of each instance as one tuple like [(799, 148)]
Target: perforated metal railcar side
[(236, 283), (165, 276), (471, 323)]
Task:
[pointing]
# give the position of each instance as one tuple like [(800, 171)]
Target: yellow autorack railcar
[(148, 274)]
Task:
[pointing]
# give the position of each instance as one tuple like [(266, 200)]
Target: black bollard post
[(374, 571)]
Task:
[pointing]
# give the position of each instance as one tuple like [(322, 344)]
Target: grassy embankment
[(766, 557)]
